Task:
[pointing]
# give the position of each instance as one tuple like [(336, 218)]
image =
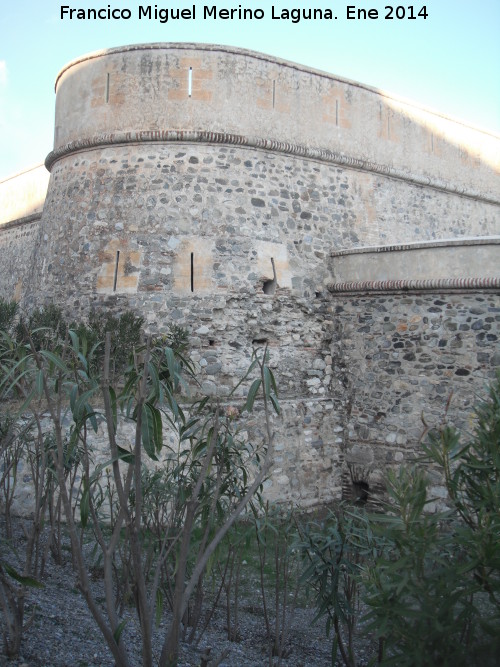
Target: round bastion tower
[(252, 200)]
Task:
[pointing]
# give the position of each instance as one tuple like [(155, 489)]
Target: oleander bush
[(8, 312), (433, 589), (425, 584), (154, 532), (174, 510)]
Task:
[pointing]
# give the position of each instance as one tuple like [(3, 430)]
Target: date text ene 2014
[(390, 12)]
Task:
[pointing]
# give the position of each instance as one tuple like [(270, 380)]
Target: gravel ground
[(63, 634)]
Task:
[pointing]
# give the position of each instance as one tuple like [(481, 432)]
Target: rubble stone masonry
[(255, 201)]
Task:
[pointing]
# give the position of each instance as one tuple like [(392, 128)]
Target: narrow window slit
[(192, 272), (274, 92), (116, 270), (336, 112), (107, 88), (190, 81)]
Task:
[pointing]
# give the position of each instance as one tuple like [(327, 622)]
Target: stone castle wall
[(249, 200), (402, 358), (23, 195), (21, 204), (141, 90)]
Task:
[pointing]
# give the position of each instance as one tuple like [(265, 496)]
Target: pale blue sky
[(449, 62)]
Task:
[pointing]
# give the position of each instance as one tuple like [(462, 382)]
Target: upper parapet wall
[(141, 92), (23, 195)]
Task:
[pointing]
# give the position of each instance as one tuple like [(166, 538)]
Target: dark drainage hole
[(360, 493), (259, 341)]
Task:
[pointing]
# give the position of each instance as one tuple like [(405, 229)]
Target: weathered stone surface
[(225, 212)]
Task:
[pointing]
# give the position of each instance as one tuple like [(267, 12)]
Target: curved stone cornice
[(416, 285), (20, 222), (296, 150), (420, 245)]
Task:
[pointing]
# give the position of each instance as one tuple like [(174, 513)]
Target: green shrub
[(434, 588), (209, 474), (8, 312), (334, 551), (44, 325), (430, 581), (126, 330), (418, 604)]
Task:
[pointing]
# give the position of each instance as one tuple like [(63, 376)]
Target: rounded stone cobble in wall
[(412, 357), (17, 243), (157, 200), (153, 92), (182, 212), (197, 229)]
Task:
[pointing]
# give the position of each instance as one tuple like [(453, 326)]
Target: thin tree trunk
[(170, 650)]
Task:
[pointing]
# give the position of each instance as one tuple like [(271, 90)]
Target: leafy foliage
[(179, 473), (45, 326), (8, 312), (126, 331), (430, 581), (434, 587), (206, 474), (418, 605), (279, 560), (333, 552)]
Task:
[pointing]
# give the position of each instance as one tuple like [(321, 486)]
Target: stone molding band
[(19, 222), (416, 285), (419, 245), (297, 150)]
